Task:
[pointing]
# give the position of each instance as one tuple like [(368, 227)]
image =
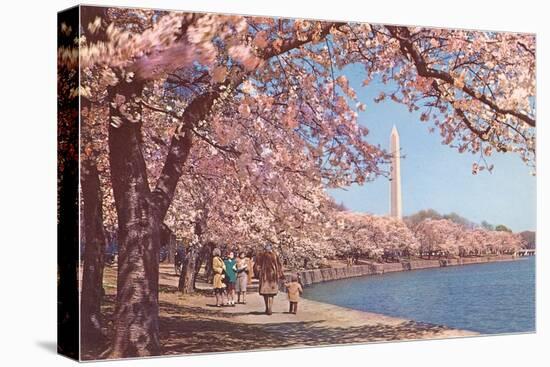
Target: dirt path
[(192, 324)]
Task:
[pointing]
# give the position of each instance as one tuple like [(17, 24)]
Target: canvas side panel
[(67, 184)]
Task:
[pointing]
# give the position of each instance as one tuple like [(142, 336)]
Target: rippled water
[(488, 298)]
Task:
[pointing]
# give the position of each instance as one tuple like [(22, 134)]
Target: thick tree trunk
[(92, 274), (188, 273), (139, 216), (136, 312)]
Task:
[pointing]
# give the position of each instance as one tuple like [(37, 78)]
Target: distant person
[(294, 290), (242, 278), (230, 277), (178, 259), (218, 268), (268, 270)]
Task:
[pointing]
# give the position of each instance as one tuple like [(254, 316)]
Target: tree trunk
[(208, 271), (139, 213), (171, 248), (187, 277), (137, 311), (206, 258), (92, 274)]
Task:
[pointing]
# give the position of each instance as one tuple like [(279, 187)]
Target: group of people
[(231, 276), (234, 275)]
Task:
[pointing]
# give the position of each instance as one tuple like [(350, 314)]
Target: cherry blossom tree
[(450, 238), (477, 88), (504, 242), (214, 206), (131, 190), (475, 242), (359, 234), (438, 236)]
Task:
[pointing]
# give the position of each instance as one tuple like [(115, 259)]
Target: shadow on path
[(198, 329), (200, 334)]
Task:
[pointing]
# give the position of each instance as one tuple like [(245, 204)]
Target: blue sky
[(436, 176)]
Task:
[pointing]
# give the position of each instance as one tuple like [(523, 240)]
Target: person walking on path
[(218, 268), (294, 290), (230, 277), (242, 278), (269, 271)]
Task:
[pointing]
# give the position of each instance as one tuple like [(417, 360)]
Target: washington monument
[(395, 178)]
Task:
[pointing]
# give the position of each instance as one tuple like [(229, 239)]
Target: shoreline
[(322, 275)]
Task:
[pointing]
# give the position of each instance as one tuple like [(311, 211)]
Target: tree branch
[(402, 34), (200, 108)]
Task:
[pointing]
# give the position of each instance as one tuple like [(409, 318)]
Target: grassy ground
[(192, 323)]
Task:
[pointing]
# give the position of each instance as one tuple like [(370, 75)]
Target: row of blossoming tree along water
[(228, 129)]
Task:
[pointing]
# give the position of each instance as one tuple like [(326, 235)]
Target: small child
[(294, 290)]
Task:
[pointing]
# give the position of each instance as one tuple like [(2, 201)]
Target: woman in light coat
[(218, 267), (242, 278)]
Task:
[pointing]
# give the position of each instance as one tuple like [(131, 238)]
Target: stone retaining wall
[(328, 274)]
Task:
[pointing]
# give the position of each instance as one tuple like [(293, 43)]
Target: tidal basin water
[(491, 298)]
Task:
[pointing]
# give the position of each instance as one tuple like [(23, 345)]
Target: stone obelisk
[(395, 178)]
